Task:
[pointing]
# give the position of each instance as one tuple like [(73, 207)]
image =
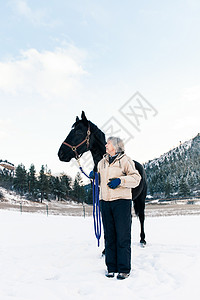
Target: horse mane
[(98, 146), (100, 136)]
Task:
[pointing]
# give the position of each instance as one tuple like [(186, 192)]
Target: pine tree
[(32, 180), (60, 186), (66, 183), (88, 194), (78, 190), (183, 188), (168, 188), (20, 179), (43, 184), (56, 188)]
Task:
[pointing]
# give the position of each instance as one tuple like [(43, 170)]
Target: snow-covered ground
[(57, 258)]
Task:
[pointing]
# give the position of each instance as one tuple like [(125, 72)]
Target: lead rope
[(96, 204), (96, 208)]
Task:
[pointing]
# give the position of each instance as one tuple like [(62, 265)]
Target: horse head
[(78, 140)]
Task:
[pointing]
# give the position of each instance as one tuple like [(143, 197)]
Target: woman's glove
[(91, 175), (114, 183)]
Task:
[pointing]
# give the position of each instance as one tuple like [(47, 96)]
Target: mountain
[(177, 172)]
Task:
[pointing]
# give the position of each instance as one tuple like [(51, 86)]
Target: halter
[(74, 148)]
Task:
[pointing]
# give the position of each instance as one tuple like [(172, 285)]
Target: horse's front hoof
[(143, 243)]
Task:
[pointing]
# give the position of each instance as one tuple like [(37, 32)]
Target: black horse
[(86, 136)]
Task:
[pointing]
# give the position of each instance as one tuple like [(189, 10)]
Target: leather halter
[(74, 148)]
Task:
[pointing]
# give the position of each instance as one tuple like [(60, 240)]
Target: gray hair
[(117, 143)]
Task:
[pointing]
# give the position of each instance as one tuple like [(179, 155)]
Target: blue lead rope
[(96, 205), (96, 208), (84, 172)]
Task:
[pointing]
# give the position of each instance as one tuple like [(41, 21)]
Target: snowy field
[(57, 258)]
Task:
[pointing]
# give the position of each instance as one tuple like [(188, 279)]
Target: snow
[(57, 257)]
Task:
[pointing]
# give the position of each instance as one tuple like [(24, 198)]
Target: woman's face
[(110, 149)]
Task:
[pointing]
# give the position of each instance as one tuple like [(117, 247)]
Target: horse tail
[(139, 193)]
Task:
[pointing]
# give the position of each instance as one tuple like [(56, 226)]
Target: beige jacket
[(122, 167)]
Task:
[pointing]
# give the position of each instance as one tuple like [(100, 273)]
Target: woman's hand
[(113, 184), (91, 175)]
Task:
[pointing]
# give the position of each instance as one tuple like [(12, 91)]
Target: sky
[(132, 66)]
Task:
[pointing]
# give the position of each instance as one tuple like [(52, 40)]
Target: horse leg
[(142, 234), (139, 206)]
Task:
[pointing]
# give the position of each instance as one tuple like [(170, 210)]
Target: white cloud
[(23, 8), (47, 73), (36, 17)]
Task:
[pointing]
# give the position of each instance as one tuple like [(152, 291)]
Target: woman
[(117, 176)]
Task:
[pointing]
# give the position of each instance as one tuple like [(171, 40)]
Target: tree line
[(45, 185), (175, 174)]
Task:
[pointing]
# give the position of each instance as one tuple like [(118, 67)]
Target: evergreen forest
[(44, 185)]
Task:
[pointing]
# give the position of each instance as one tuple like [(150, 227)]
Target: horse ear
[(77, 119), (83, 116)]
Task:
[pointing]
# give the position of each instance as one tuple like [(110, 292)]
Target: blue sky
[(60, 57)]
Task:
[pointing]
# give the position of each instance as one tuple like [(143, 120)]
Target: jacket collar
[(118, 157)]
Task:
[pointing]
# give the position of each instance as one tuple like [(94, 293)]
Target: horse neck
[(98, 148), (96, 158)]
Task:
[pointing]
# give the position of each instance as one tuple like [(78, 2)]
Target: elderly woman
[(118, 176)]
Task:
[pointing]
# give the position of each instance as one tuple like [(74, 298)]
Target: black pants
[(117, 219)]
